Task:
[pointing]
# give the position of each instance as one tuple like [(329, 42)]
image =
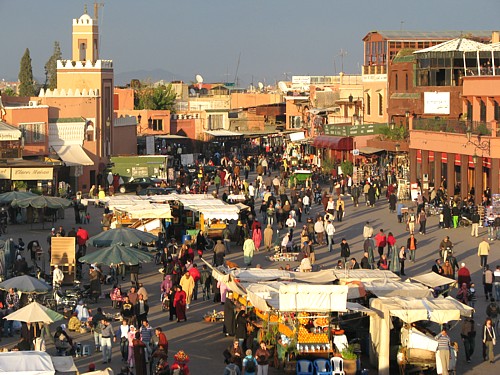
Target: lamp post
[(139, 118)]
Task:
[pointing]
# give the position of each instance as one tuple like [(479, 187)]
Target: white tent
[(433, 280), (26, 363), (409, 310), (147, 211), (394, 288), (313, 298)]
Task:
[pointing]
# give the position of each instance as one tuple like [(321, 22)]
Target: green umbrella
[(42, 201), (117, 254), (126, 236), (7, 198), (25, 284)]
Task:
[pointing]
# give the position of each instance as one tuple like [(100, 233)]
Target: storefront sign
[(21, 174), (4, 173), (437, 103)]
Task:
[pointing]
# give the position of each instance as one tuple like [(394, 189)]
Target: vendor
[(74, 323)]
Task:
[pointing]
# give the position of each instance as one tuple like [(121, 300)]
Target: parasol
[(25, 284), (128, 236), (6, 198), (35, 312), (117, 254), (42, 201)]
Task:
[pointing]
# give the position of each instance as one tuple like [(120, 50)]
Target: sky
[(253, 40)]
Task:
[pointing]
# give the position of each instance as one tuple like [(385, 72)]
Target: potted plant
[(349, 357)]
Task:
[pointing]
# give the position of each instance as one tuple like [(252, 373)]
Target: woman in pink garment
[(257, 237), (223, 289)]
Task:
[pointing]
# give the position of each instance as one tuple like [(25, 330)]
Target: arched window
[(89, 131)]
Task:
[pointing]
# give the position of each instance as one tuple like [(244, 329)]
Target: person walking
[(319, 230), (187, 283), (475, 224), (141, 309), (483, 251), (488, 283), (248, 251), (268, 237), (262, 356), (345, 251), (443, 350), (330, 231), (107, 335), (468, 335), (180, 304), (380, 242), (496, 275), (367, 231), (340, 209), (122, 334), (422, 220), (489, 340), (402, 259), (411, 245), (410, 223)]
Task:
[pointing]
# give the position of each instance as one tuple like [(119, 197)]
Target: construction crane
[(96, 9)]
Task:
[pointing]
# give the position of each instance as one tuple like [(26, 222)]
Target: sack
[(250, 366)]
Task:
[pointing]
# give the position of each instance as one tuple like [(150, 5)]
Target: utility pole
[(96, 9), (342, 53)]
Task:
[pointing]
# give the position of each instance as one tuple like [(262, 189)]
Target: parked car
[(156, 191), (137, 184)]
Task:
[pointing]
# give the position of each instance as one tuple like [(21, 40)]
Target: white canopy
[(313, 298), (433, 280), (210, 207), (365, 275), (72, 155), (254, 275), (394, 288), (26, 363), (147, 211)]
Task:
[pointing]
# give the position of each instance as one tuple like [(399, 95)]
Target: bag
[(250, 366), (494, 341), (232, 369)]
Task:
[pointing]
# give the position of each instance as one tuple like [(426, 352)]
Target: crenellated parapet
[(84, 20), (76, 93), (71, 64)]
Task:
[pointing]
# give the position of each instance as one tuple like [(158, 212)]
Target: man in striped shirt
[(146, 336), (443, 350)]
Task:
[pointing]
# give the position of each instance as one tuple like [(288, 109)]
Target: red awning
[(487, 162), (333, 143)]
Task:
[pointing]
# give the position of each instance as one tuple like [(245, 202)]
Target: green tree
[(26, 84), (152, 97), (9, 91), (51, 68)]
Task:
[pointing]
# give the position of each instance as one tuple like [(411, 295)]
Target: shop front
[(27, 174), (334, 148)]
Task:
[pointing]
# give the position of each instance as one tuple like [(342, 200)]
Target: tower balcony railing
[(452, 126)]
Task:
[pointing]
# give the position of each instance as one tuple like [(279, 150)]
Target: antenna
[(342, 54), (237, 67), (96, 9)]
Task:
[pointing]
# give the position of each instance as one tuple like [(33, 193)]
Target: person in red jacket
[(380, 242), (195, 274), (81, 239), (162, 339)]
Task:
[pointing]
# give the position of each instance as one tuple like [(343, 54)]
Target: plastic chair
[(304, 367), (337, 366), (86, 350), (322, 367)]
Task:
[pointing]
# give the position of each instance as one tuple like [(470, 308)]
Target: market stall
[(409, 310)]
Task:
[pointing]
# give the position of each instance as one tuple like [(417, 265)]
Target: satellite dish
[(192, 92), (282, 86), (199, 78), (261, 85)]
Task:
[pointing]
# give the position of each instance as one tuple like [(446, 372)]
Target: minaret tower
[(85, 39)]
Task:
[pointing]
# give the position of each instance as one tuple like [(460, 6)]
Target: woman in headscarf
[(257, 237), (180, 304), (268, 237)]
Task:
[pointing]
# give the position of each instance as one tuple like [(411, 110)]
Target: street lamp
[(139, 117), (474, 158), (480, 144)]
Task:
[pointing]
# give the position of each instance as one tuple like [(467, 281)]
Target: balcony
[(374, 69), (452, 126)]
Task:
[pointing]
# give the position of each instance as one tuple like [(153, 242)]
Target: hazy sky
[(275, 38)]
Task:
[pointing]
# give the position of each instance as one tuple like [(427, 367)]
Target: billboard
[(437, 103)]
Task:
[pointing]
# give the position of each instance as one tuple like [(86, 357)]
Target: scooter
[(464, 221)]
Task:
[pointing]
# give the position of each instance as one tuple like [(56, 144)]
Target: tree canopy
[(159, 97), (51, 68), (26, 84)]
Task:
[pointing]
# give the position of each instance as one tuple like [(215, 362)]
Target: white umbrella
[(34, 312)]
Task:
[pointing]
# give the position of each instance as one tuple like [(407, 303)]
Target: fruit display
[(305, 336), (321, 322)]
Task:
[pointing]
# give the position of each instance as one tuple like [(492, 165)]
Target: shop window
[(32, 133), (89, 132), (215, 122)]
